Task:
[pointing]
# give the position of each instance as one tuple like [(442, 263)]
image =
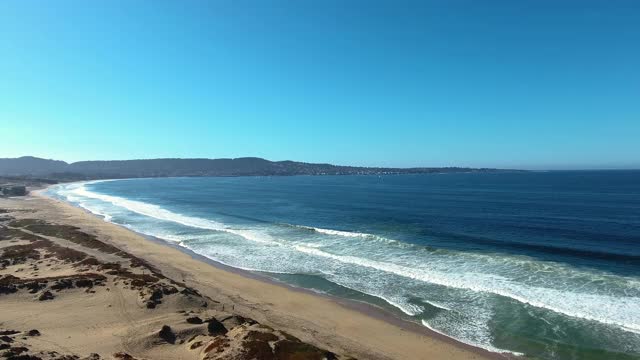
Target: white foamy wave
[(94, 211), (471, 342), (253, 235), (172, 238), (402, 305), (349, 234), (623, 312), (409, 309), (150, 210), (214, 257), (159, 213), (341, 233), (438, 305), (399, 303)]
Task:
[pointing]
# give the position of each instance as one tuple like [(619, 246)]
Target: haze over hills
[(247, 166)]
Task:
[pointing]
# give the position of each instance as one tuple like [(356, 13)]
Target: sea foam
[(621, 311), (160, 213)]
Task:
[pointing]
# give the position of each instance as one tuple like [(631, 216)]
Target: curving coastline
[(346, 327)]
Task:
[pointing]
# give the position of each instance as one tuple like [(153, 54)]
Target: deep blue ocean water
[(545, 264)]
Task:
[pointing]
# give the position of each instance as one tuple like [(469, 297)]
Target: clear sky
[(512, 83)]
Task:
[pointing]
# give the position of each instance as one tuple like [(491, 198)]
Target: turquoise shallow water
[(543, 264)]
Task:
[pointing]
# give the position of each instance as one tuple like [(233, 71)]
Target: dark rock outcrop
[(9, 332), (215, 327), (47, 295), (5, 338), (7, 288), (62, 284), (167, 334), (123, 356), (194, 320)]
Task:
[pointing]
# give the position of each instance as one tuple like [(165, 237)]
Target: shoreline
[(421, 333), (362, 307)]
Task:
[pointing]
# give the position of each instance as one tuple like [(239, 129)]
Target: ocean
[(545, 264)]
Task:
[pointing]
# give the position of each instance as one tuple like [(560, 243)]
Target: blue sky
[(521, 84)]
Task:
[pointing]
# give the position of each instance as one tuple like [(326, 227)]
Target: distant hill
[(249, 166), (29, 165)]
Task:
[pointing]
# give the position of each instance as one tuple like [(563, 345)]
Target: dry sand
[(119, 301)]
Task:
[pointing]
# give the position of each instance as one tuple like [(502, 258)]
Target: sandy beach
[(74, 285)]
